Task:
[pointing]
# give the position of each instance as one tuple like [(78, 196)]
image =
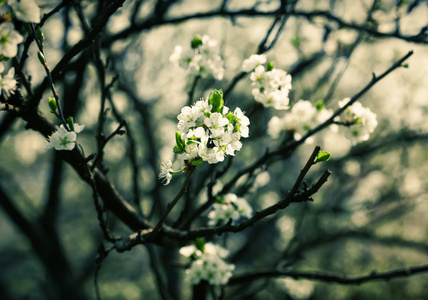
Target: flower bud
[(41, 58), (40, 35), (52, 105), (70, 123)]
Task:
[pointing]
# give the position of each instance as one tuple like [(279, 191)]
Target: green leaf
[(322, 156), (216, 100), (200, 243), (196, 42), (296, 41), (197, 162), (319, 105), (269, 66)]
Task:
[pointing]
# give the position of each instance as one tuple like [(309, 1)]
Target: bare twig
[(171, 205)]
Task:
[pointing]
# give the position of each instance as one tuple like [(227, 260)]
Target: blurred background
[(369, 217)]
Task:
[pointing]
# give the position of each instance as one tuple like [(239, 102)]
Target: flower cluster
[(202, 59), (7, 81), (62, 139), (302, 117), (208, 265), (229, 207), (208, 131), (270, 85), (361, 120)]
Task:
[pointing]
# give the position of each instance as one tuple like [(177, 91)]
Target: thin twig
[(171, 205)]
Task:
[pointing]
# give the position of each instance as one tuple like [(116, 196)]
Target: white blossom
[(362, 121), (7, 82), (62, 140), (26, 10), (9, 40), (302, 117), (271, 88), (165, 172), (253, 61), (229, 208), (204, 60), (209, 265), (211, 136)]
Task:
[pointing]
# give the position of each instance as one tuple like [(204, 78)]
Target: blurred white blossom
[(208, 265), (302, 117), (9, 40), (7, 81), (26, 10), (229, 207), (361, 120), (202, 59), (253, 61)]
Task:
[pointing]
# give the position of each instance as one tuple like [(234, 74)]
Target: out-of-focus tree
[(168, 149)]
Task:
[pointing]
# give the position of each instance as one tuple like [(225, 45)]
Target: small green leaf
[(322, 156), (319, 104), (196, 42), (52, 105), (216, 100), (200, 244), (406, 66), (197, 162), (296, 41), (269, 66)]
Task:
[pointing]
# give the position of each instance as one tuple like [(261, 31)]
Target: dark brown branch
[(329, 277), (291, 197)]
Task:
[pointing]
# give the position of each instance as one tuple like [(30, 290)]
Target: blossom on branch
[(209, 264), (63, 139), (229, 207), (271, 86), (208, 131), (253, 61), (302, 117), (361, 121), (9, 40), (202, 59), (7, 82)]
